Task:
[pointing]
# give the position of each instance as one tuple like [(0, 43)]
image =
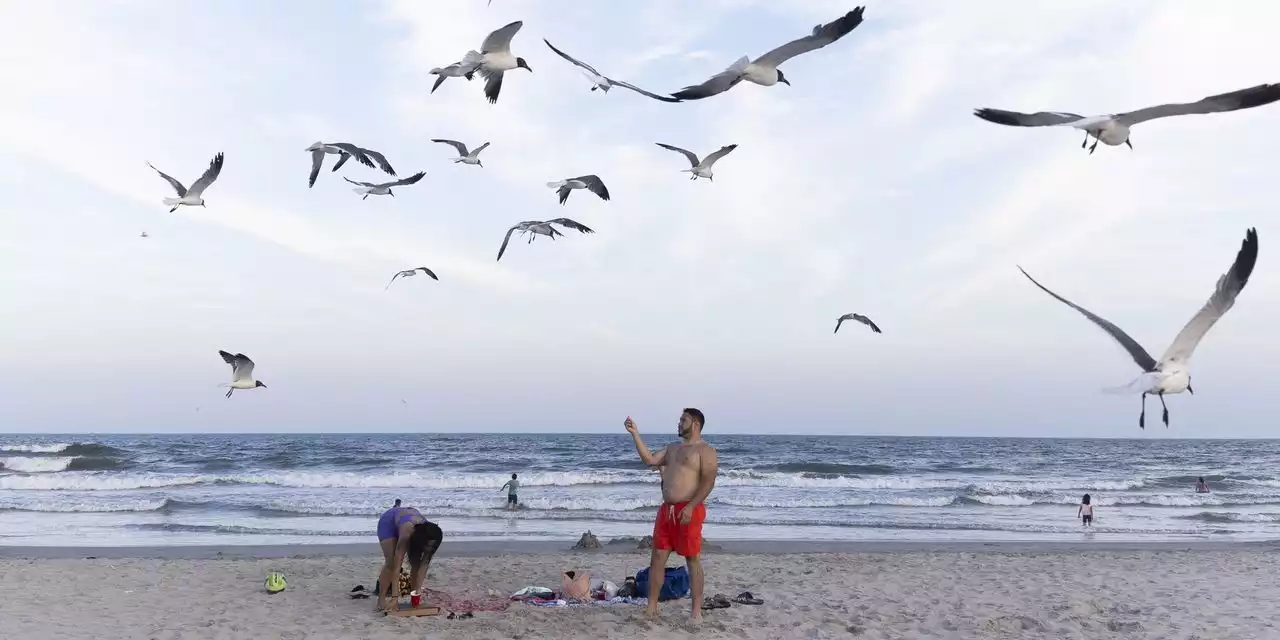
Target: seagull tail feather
[(171, 202), (473, 57), (1137, 385), (556, 185)]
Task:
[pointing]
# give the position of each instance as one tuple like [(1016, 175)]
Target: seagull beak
[(1193, 391), (785, 81), (1126, 141)]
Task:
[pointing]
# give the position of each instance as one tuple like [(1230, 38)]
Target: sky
[(867, 186)]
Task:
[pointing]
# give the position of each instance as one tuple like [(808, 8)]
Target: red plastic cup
[(414, 599)]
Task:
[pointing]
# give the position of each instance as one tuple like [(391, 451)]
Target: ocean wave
[(831, 469), (46, 464), (64, 505), (815, 502), (56, 447), (1232, 516)]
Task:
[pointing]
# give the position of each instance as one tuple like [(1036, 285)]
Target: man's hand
[(631, 426), (686, 514)]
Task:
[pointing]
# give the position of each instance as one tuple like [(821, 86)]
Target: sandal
[(358, 592), (746, 598), (718, 601)]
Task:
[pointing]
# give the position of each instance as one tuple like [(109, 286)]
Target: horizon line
[(712, 435)]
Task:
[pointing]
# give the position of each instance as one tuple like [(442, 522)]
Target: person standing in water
[(1085, 513), (691, 466), (512, 486), (1201, 487)]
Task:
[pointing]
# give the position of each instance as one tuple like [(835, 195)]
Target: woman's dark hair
[(513, 476), (1201, 479), (423, 542), (1086, 499)]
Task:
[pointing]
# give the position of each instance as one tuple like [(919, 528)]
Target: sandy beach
[(1034, 590)]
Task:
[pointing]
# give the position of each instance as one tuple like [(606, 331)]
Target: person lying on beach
[(404, 532), (691, 466)]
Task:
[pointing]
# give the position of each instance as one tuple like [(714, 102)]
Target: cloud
[(865, 186)]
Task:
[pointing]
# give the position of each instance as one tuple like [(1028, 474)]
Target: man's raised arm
[(646, 456)]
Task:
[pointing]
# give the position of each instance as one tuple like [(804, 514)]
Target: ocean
[(118, 490)]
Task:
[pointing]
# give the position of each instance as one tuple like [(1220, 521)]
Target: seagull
[(143, 235), (344, 151), (860, 318), (191, 197), (591, 182), (599, 81), (241, 372), (1114, 129), (764, 70), (455, 70), (464, 156), (494, 58), (383, 189), (408, 273), (536, 228), (701, 168), (1171, 374)]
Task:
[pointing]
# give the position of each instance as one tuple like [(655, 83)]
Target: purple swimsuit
[(389, 523)]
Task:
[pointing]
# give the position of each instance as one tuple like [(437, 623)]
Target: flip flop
[(718, 601), (358, 592), (746, 598)]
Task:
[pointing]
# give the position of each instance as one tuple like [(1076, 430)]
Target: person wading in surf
[(688, 471)]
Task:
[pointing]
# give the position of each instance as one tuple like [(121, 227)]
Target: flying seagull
[(191, 197), (701, 168), (599, 81), (409, 273), (1171, 374), (344, 151), (143, 235), (494, 58), (1114, 129), (241, 372), (537, 228), (764, 70), (464, 156), (860, 318), (591, 182), (383, 189), (455, 70)]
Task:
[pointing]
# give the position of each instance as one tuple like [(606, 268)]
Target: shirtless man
[(688, 474)]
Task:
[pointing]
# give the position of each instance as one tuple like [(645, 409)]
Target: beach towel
[(465, 603), (675, 583)]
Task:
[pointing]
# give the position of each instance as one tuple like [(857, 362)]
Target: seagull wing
[(210, 174), (619, 83), (564, 192), (722, 152), (477, 150), (719, 83), (317, 159), (500, 40), (595, 185), (393, 279), (381, 160), (363, 184), (354, 151), (1231, 101), (573, 59), (693, 158), (241, 365), (507, 238), (1135, 350), (492, 84), (1037, 119), (342, 159), (1224, 296), (462, 148), (840, 321), (177, 186), (571, 224), (867, 321), (428, 272), (823, 35), (406, 181)]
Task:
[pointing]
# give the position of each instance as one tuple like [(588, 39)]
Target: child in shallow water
[(1085, 513)]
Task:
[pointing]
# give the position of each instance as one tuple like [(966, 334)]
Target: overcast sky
[(866, 186)]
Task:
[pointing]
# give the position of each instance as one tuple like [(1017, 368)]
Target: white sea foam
[(56, 447), (50, 464)]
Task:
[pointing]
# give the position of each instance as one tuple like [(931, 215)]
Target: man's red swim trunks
[(684, 539)]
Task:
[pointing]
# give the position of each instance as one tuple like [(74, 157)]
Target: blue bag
[(675, 583)]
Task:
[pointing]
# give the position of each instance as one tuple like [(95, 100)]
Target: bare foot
[(651, 613), (696, 616)]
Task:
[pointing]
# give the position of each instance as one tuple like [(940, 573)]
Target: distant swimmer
[(1201, 487), (1085, 513)]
